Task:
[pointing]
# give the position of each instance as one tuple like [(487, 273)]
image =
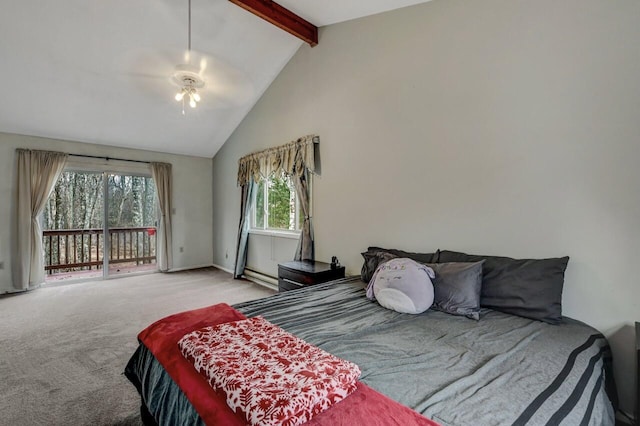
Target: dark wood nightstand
[(298, 274)]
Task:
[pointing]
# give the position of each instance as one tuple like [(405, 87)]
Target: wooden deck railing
[(82, 249)]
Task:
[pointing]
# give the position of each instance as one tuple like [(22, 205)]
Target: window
[(275, 206)]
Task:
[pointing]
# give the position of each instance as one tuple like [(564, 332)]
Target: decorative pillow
[(530, 288), (456, 288), (376, 255), (402, 285), (371, 262)]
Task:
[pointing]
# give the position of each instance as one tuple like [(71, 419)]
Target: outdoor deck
[(79, 253)]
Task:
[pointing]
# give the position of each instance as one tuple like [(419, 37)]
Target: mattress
[(500, 370)]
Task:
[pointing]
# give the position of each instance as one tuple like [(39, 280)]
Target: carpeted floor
[(63, 348)]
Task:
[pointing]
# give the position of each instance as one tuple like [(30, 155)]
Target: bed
[(501, 370)]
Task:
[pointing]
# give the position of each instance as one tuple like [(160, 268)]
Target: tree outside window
[(275, 205)]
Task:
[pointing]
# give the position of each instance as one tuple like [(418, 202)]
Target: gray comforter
[(501, 370)]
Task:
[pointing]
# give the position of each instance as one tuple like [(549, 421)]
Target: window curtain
[(305, 250), (291, 159), (295, 159), (243, 229), (161, 173), (36, 176)]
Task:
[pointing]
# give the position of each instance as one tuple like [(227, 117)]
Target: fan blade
[(145, 75), (203, 65), (225, 86)]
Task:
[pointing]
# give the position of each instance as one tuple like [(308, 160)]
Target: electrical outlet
[(181, 249)]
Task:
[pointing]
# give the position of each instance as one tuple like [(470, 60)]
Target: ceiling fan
[(202, 80), (188, 78)]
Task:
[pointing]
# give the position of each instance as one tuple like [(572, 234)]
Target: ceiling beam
[(281, 18)]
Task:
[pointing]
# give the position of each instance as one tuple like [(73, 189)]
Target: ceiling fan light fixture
[(187, 77)]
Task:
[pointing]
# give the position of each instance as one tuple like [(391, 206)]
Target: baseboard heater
[(261, 279)]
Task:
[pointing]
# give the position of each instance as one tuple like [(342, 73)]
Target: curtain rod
[(110, 158)]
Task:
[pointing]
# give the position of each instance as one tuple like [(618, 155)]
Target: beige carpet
[(63, 348)]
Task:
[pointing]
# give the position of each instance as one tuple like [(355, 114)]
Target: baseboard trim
[(222, 268), (186, 268), (13, 292)]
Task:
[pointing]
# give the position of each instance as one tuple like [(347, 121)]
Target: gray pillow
[(376, 255), (530, 288), (457, 287), (371, 262)]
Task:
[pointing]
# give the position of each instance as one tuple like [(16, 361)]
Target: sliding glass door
[(99, 224), (131, 219), (73, 227)]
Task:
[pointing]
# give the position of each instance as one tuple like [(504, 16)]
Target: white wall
[(265, 252), (493, 127), (191, 197)]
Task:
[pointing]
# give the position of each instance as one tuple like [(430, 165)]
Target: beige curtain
[(306, 245), (295, 159), (36, 175), (292, 159), (162, 177), (243, 229)]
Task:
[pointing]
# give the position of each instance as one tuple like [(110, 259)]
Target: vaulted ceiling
[(100, 71)]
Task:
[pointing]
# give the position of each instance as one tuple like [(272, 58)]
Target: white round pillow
[(402, 285)]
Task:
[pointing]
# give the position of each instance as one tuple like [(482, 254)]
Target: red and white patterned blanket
[(272, 376)]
